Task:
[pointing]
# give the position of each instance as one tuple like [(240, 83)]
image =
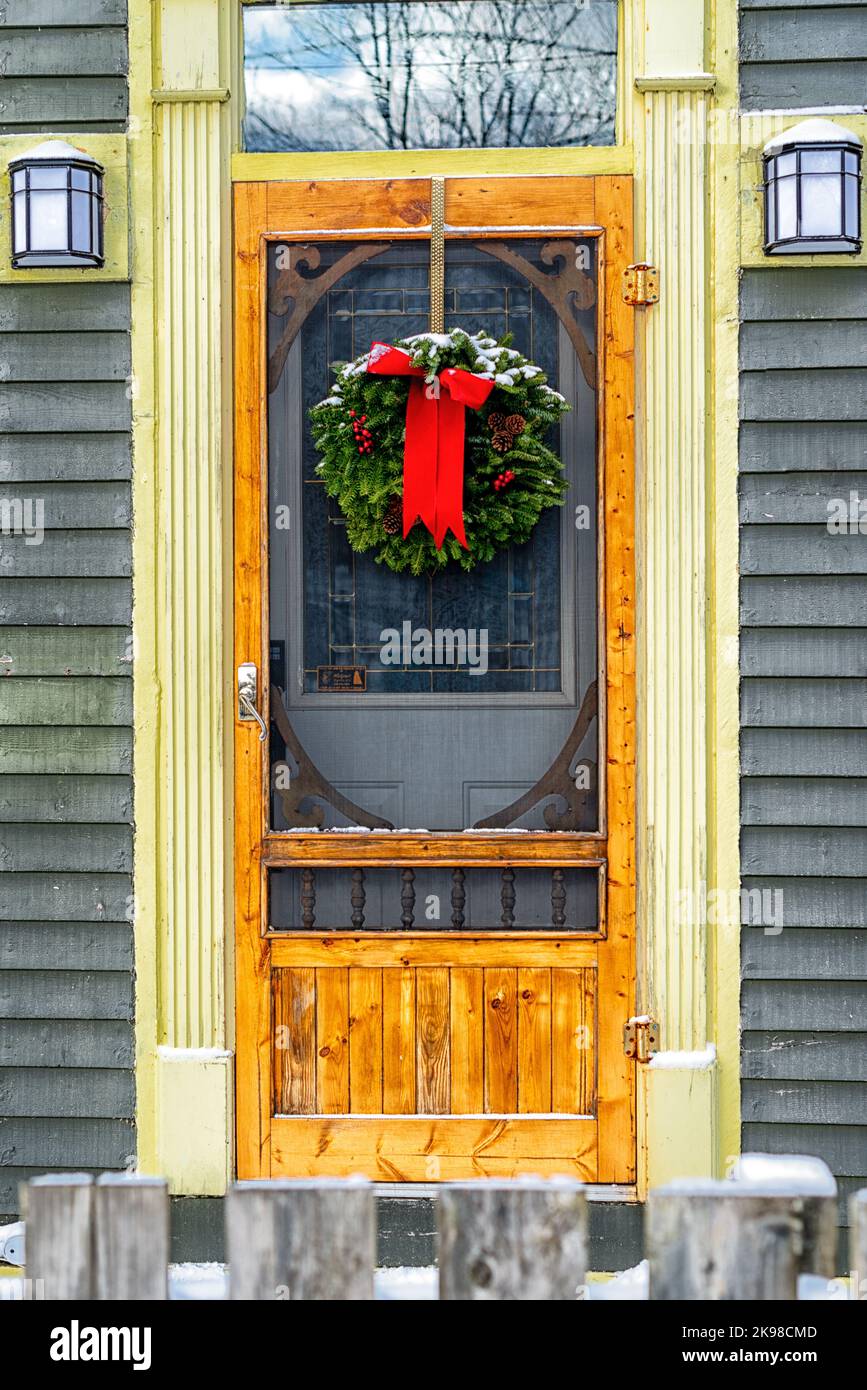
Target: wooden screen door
[(434, 857)]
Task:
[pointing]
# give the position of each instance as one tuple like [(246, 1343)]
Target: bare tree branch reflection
[(404, 74)]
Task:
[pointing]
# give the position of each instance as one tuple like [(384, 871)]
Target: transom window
[(430, 74)]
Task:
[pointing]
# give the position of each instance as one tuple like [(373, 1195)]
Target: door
[(434, 824)]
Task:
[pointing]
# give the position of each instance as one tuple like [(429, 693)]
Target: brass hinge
[(640, 1037), (641, 284)]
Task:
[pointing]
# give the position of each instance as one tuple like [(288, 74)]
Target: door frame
[(268, 211)]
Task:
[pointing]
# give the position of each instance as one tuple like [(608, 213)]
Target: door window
[(450, 701)]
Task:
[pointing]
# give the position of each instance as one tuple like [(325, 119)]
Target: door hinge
[(641, 284), (640, 1037)]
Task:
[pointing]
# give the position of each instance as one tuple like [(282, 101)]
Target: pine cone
[(502, 442), (516, 424), (497, 422), (392, 522)]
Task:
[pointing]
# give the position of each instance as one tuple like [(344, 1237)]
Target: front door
[(434, 814)]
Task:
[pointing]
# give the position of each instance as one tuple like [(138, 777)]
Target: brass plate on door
[(341, 678)]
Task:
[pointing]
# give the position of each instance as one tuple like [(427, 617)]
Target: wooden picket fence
[(108, 1239)]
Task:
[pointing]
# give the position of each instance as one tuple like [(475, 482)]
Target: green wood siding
[(64, 65), (66, 804), (803, 53), (804, 700)]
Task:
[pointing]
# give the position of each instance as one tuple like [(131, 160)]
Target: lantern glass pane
[(785, 164), (18, 180), (821, 205), (48, 221), (81, 222), (52, 177), (770, 213), (787, 208), (95, 215), (851, 207), (820, 161), (851, 162), (81, 178), (20, 223)]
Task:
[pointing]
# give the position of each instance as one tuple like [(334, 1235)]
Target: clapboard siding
[(64, 64), (769, 651), (63, 799), (66, 805), (65, 751), (802, 54), (70, 1042), (827, 801), (65, 946), (805, 1056), (67, 599), (42, 651), (75, 1092), (803, 449)]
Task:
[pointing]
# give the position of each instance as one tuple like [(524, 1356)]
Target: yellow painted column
[(182, 762), (678, 1110)]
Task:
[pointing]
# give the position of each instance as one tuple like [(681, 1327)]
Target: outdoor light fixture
[(813, 191), (57, 204)]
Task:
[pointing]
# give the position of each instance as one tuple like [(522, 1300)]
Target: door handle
[(248, 695)]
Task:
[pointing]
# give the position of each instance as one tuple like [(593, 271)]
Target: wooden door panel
[(436, 1055), (434, 1040), (433, 1149)]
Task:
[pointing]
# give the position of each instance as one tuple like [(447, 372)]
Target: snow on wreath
[(434, 448)]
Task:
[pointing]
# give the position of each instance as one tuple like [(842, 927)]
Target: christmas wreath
[(446, 430)]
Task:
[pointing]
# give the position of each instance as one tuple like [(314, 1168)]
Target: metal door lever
[(248, 694)]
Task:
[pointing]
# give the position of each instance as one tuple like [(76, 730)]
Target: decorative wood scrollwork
[(295, 295), (567, 289), (556, 783), (307, 785)]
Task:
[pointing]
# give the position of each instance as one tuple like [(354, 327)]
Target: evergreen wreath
[(510, 475)]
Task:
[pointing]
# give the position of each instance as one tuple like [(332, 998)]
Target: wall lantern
[(57, 204), (813, 191)]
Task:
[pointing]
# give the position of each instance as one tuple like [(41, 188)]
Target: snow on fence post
[(312, 1239), (525, 1239), (132, 1238), (858, 1242), (59, 1250), (709, 1241), (809, 1179)]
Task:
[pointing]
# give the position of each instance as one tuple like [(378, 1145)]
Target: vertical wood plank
[(59, 1249), (616, 984), (512, 1241), (313, 1241), (132, 1239), (253, 1012), (398, 1032), (365, 1041), (332, 1041), (501, 1041), (467, 1025), (432, 1030), (573, 1045), (294, 1041), (534, 1041)]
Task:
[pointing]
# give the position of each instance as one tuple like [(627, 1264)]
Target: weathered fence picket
[(858, 1242), (526, 1239), (132, 1238), (59, 1237), (519, 1240), (713, 1241), (311, 1239)]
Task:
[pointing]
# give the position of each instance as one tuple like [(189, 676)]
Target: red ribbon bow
[(433, 453)]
